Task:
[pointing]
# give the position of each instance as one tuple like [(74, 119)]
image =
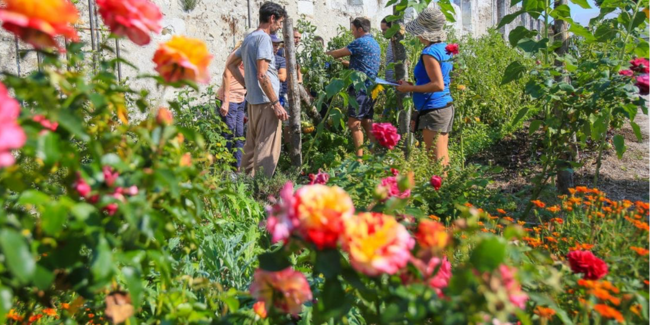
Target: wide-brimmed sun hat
[(430, 25)]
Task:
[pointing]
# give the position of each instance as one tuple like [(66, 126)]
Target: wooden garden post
[(399, 54), (293, 92), (564, 179)]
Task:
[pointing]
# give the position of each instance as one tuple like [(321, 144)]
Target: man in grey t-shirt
[(265, 113)]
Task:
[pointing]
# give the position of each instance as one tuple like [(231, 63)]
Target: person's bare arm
[(233, 66), (282, 74), (339, 53), (434, 72), (267, 88), (299, 73), (225, 104)]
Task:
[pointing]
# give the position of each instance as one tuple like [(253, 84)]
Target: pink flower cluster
[(45, 123), (389, 185), (110, 177), (12, 135), (516, 296), (320, 178), (386, 135), (134, 19), (642, 66)]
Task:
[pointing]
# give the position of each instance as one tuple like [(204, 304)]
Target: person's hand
[(280, 112), (404, 86), (224, 108)]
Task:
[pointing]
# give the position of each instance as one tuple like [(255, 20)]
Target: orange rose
[(134, 19), (37, 22), (183, 58)]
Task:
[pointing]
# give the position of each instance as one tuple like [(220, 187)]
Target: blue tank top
[(440, 99)]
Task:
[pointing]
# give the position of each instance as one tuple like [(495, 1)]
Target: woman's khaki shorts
[(440, 120)]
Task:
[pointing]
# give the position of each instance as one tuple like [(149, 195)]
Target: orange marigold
[(14, 316), (553, 209), (551, 240), (636, 309), (609, 312), (581, 247), (501, 211), (544, 312), (508, 219), (65, 306), (538, 203), (582, 189), (521, 223), (49, 311), (640, 250)]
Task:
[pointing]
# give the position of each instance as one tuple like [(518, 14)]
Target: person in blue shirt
[(431, 97), (365, 57)]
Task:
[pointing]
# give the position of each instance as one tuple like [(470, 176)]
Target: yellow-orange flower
[(538, 203), (38, 22), (609, 312), (501, 211), (640, 250), (49, 312), (636, 309), (286, 290), (432, 235), (553, 209), (183, 58), (65, 306), (260, 309), (377, 244), (14, 316), (581, 247), (321, 211), (582, 189), (544, 312)]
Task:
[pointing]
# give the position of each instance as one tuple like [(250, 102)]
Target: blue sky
[(583, 16)]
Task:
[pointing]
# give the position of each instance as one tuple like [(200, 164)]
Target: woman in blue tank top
[(433, 103)]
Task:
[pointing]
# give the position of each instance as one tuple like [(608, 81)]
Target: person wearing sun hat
[(431, 96)]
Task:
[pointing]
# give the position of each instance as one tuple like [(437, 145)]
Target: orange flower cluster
[(639, 250), (609, 312), (581, 247), (601, 289), (538, 203), (544, 312)]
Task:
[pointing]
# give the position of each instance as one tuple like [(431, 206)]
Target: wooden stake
[(293, 92)]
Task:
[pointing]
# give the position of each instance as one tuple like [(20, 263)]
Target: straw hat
[(430, 25)]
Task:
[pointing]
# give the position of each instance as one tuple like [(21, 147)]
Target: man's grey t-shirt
[(258, 46)]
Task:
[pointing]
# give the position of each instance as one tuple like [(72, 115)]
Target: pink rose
[(110, 176), (6, 159), (134, 19), (282, 218), (452, 49), (52, 126), (516, 296), (386, 134), (12, 135), (133, 190), (436, 182), (320, 178), (640, 65), (82, 187), (642, 84), (391, 186), (111, 208), (627, 73)]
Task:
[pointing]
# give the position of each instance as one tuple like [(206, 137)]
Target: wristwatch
[(273, 104)]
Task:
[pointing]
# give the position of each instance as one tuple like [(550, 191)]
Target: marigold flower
[(260, 309), (588, 264), (183, 58), (377, 244), (557, 220), (49, 312), (432, 235), (321, 212), (386, 135), (38, 22), (551, 240), (544, 312), (134, 19), (640, 250), (582, 189), (501, 211), (14, 316), (609, 312), (553, 209), (538, 203), (636, 309), (508, 219), (579, 247), (65, 306), (521, 223), (286, 290), (434, 217)]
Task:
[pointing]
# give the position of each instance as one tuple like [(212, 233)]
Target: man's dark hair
[(388, 23), (363, 23), (269, 9)]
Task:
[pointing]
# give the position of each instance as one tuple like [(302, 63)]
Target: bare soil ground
[(626, 178)]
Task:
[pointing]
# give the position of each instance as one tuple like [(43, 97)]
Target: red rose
[(132, 18), (452, 49), (642, 84), (386, 134), (320, 178), (588, 264), (641, 65), (627, 73), (436, 182)]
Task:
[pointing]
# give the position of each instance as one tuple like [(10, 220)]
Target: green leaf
[(334, 87), (513, 72), (5, 303), (561, 12), (53, 218), (17, 255), (532, 46), (507, 19), (605, 33), (48, 148), (619, 144), (102, 260), (389, 34), (274, 261), (582, 3), (328, 262), (82, 211), (489, 254), (642, 49), (580, 30), (43, 277), (448, 10), (134, 284), (73, 124), (33, 197), (566, 87), (637, 131), (519, 33), (534, 126)]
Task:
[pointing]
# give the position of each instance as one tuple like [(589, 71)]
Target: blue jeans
[(235, 122)]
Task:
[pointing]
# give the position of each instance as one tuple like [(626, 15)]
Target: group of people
[(255, 76)]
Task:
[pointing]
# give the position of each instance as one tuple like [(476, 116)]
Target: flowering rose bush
[(12, 135), (286, 290), (134, 19), (183, 59), (588, 264), (386, 135), (33, 21)]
